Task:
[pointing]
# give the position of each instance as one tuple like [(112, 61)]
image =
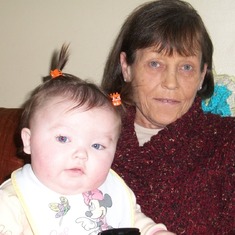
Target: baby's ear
[(26, 135)]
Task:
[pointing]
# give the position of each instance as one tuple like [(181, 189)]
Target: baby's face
[(71, 150)]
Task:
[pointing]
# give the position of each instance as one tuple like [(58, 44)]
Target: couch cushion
[(10, 142)]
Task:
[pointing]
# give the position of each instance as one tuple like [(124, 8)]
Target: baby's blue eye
[(62, 139), (98, 146)]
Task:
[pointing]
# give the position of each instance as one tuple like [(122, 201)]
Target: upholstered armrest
[(10, 141)]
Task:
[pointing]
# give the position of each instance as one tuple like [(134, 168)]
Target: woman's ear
[(126, 70), (25, 136)]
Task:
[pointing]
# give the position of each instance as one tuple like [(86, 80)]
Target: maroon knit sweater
[(184, 176)]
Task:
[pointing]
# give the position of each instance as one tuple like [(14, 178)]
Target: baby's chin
[(75, 188), (73, 181)]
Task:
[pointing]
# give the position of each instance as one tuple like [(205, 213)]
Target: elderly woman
[(178, 160)]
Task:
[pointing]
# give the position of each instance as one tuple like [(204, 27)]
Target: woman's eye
[(154, 64), (62, 139), (187, 67), (98, 146)]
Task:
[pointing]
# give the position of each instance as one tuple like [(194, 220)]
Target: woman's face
[(164, 87)]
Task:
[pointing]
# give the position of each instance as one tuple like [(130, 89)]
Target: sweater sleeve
[(146, 225), (12, 218)]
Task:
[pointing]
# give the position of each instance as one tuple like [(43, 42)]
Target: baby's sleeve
[(145, 224), (11, 213)]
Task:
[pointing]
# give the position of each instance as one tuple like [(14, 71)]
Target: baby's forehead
[(68, 106), (64, 105)]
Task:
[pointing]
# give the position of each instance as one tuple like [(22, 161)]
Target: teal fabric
[(218, 103)]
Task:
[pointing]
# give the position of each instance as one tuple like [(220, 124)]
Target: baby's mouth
[(75, 171)]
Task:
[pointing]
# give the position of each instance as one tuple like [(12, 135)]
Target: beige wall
[(31, 29)]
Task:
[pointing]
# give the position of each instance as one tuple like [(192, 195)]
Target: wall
[(31, 30)]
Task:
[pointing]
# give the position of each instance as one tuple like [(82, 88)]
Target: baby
[(70, 128)]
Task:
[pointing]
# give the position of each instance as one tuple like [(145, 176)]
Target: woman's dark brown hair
[(169, 26)]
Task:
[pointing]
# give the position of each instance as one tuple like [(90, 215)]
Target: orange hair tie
[(116, 99), (56, 73)]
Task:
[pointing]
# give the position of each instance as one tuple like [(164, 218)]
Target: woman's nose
[(169, 80)]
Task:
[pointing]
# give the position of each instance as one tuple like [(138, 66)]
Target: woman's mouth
[(167, 101)]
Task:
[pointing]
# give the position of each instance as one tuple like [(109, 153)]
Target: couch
[(11, 157)]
